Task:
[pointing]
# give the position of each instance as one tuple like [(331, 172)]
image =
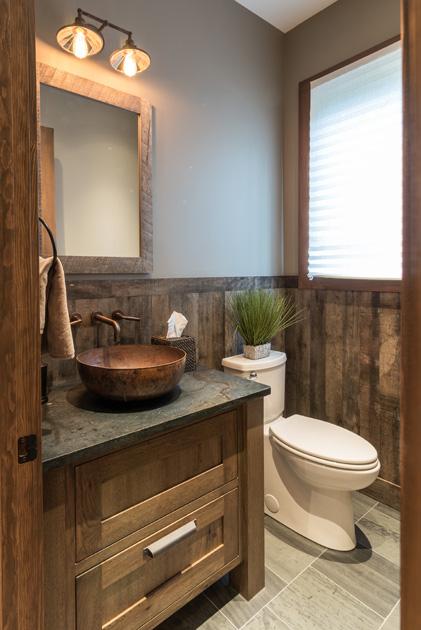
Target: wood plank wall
[(202, 300), (344, 367), (343, 359)]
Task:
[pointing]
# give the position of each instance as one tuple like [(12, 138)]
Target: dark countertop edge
[(135, 437)]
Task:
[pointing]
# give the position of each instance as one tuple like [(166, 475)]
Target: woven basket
[(186, 343)]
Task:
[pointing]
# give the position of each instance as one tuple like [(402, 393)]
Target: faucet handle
[(118, 315), (75, 319)]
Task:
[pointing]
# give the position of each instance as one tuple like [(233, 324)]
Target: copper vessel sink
[(135, 372)]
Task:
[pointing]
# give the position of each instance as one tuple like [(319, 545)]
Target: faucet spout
[(99, 317)]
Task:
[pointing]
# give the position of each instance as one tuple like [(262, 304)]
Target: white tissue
[(176, 324)]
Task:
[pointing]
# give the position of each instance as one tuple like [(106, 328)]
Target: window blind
[(355, 187)]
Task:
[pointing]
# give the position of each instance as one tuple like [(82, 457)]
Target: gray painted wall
[(215, 85), (342, 30)]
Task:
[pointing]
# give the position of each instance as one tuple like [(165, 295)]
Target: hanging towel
[(44, 268), (54, 315)]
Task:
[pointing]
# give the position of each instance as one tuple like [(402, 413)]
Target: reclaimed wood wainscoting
[(343, 358), (344, 367)]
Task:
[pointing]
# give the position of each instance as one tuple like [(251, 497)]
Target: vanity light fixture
[(83, 40)]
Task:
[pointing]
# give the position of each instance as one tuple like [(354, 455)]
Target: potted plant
[(258, 316)]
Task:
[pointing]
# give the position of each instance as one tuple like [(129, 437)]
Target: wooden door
[(20, 483), (411, 317)]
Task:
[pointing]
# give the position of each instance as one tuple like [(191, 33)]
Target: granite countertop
[(78, 426)]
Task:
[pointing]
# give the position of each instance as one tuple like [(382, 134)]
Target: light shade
[(80, 39), (130, 60)]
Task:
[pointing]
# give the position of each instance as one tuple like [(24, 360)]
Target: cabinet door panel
[(131, 588), (123, 492)]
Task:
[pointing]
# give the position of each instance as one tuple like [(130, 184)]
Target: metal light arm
[(104, 23)]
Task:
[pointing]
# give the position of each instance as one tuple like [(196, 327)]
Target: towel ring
[(53, 242)]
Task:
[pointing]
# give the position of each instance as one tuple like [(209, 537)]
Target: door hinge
[(27, 448)]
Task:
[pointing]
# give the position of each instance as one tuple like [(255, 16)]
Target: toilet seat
[(323, 443), (325, 462)]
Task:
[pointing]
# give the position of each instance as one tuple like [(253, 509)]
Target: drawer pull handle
[(166, 542)]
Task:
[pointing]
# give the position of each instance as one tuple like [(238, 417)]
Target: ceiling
[(285, 14)]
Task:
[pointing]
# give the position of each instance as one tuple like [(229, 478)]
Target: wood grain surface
[(21, 484), (411, 314)]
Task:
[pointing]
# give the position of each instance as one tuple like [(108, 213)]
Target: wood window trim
[(350, 284)]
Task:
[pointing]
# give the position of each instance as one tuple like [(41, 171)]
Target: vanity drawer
[(120, 493), (130, 589)]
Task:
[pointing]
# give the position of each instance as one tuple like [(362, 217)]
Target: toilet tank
[(269, 371)]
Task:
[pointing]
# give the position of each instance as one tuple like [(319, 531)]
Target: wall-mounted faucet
[(99, 317), (119, 315), (116, 316)]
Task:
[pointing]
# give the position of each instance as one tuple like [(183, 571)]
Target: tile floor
[(309, 587)]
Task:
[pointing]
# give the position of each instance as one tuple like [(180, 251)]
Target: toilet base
[(323, 515), (323, 528)]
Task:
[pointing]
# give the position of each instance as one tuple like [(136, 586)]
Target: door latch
[(27, 448)]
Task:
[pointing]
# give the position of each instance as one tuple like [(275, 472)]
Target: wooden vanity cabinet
[(133, 535)]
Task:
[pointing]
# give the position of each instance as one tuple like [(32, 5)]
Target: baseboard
[(386, 492)]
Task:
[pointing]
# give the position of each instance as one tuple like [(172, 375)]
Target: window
[(351, 161)]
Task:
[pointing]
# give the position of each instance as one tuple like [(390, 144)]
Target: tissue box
[(186, 343)]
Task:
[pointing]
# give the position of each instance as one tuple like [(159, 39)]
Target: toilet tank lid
[(241, 364)]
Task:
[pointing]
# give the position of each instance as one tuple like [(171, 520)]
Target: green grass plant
[(258, 315)]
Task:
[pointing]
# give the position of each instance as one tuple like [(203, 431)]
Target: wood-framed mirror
[(95, 174)]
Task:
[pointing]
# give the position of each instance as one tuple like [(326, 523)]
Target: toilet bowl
[(311, 469), (311, 466)]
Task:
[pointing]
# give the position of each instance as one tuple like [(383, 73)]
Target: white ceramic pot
[(257, 352)]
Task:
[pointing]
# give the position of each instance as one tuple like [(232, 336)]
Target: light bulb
[(80, 45), (130, 60), (129, 64)]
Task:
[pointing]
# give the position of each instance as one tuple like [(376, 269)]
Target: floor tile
[(328, 595), (372, 579), (236, 608), (394, 621), (389, 511), (381, 527), (362, 504), (313, 602), (266, 620), (199, 613), (287, 553)]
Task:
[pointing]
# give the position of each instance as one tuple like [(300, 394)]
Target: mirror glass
[(89, 175)]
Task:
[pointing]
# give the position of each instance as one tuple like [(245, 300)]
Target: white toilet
[(311, 466)]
